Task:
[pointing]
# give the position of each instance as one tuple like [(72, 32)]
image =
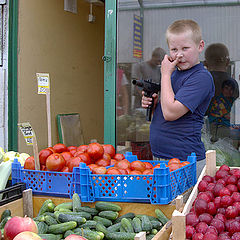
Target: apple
[(16, 225), (74, 237), (27, 236)]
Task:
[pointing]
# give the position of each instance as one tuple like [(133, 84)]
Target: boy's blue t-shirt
[(194, 88)]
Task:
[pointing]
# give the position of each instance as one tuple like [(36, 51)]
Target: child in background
[(186, 91)]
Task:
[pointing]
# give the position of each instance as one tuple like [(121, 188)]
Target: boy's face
[(183, 47)]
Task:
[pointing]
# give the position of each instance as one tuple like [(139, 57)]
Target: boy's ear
[(201, 46)]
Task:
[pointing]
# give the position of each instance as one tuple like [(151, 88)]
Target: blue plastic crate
[(43, 182), (160, 188)]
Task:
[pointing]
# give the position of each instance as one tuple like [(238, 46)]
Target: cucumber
[(49, 236), (127, 226), (150, 236), (127, 215), (44, 208), (137, 225), (161, 216), (4, 221), (104, 221), (64, 210), (157, 225), (51, 207), (5, 213), (101, 228), (89, 234), (67, 217), (120, 236), (89, 224), (76, 202), (151, 218), (115, 227), (49, 213), (92, 211), (49, 220), (62, 227), (66, 205), (40, 218), (146, 224), (101, 234), (106, 206), (154, 231), (86, 215), (111, 215), (42, 227)]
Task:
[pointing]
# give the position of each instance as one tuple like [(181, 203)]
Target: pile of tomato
[(98, 157)]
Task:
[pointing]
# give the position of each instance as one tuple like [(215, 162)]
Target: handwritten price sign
[(27, 132), (43, 82)]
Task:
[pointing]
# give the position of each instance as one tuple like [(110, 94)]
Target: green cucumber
[(146, 224), (161, 216), (120, 236), (42, 227), (51, 207), (107, 206), (86, 215), (49, 213), (49, 220), (76, 202), (4, 221), (89, 234), (92, 211), (126, 224), (40, 218), (157, 225), (154, 231), (5, 213), (66, 205), (50, 236), (101, 228), (104, 221), (44, 208), (111, 215), (62, 227), (115, 227), (151, 218), (63, 210), (89, 224), (150, 236), (137, 225), (63, 217), (127, 215)]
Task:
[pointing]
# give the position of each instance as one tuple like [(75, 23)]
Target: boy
[(186, 92)]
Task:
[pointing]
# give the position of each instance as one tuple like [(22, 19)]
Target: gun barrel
[(138, 83)]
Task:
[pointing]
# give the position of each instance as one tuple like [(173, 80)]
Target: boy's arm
[(171, 108)]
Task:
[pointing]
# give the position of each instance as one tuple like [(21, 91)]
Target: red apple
[(74, 237), (16, 225), (27, 236)]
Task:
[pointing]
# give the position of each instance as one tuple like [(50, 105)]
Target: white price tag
[(43, 82), (27, 132)]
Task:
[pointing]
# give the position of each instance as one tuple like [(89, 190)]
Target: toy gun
[(149, 89)]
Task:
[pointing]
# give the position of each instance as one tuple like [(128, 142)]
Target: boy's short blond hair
[(181, 26)]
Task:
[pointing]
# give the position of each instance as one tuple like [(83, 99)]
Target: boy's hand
[(146, 101), (168, 65)]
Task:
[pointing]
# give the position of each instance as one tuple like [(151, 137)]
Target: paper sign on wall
[(27, 132), (43, 82)]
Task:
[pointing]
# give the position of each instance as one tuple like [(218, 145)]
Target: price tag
[(27, 132), (43, 82)]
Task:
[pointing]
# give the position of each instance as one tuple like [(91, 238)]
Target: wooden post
[(179, 203), (140, 236), (27, 203), (164, 233), (179, 225), (49, 117), (35, 153), (211, 163)]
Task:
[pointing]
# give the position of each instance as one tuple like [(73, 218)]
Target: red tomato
[(113, 170), (148, 165), (71, 148), (106, 156), (67, 156), (74, 162), (65, 169), (148, 172), (119, 156), (92, 166), (173, 160), (108, 148), (138, 166), (55, 162), (43, 168), (174, 166), (29, 163), (99, 170), (102, 162), (82, 148), (123, 164), (95, 150), (123, 171), (60, 147), (113, 162), (73, 151), (51, 149), (85, 158), (43, 155), (135, 172)]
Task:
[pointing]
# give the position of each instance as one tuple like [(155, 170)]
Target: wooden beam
[(179, 226), (211, 163), (27, 203)]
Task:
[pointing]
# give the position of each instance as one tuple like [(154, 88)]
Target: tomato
[(174, 166), (67, 156), (148, 165), (113, 170), (51, 149), (92, 166), (73, 151), (148, 172), (123, 164), (74, 162), (71, 148), (85, 158), (102, 162), (173, 160), (43, 168), (119, 156), (108, 148), (106, 156), (123, 171), (157, 166), (95, 150), (43, 155), (55, 162), (65, 169), (99, 170), (185, 163), (138, 166), (82, 148), (113, 162), (135, 172), (29, 163), (128, 170), (60, 147)]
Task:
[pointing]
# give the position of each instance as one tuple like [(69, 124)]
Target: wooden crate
[(179, 218)]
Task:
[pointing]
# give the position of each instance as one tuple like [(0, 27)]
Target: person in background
[(186, 91), (149, 70), (226, 91)]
